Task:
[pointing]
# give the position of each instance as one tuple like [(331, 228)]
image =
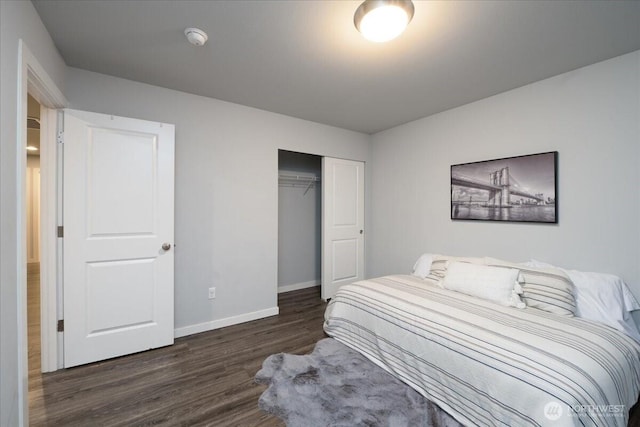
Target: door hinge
[(61, 325), (60, 126), (60, 231)]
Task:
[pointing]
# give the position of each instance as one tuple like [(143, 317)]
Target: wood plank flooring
[(202, 380)]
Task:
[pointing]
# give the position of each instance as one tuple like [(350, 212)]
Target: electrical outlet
[(212, 293)]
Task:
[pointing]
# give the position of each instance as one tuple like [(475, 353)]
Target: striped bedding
[(486, 364)]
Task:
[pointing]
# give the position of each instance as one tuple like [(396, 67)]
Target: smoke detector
[(196, 36)]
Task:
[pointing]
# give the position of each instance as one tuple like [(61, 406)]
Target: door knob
[(166, 246)]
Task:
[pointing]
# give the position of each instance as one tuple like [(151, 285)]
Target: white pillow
[(440, 263), (422, 267), (491, 283), (604, 298)]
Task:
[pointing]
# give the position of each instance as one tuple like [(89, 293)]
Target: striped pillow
[(548, 289)]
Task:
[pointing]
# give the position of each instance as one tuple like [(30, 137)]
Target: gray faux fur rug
[(336, 386)]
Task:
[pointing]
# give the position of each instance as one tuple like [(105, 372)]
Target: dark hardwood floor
[(203, 379), (634, 419)]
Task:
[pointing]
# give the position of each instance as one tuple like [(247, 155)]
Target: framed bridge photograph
[(516, 189)]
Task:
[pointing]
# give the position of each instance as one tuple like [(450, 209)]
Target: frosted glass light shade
[(383, 20)]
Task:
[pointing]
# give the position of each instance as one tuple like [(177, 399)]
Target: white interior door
[(118, 236), (342, 224)]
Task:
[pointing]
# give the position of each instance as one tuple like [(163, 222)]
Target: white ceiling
[(305, 58)]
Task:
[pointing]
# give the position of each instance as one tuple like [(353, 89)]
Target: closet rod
[(299, 178)]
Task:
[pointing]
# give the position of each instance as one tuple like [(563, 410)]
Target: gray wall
[(226, 187), (590, 116), (18, 20), (299, 222)]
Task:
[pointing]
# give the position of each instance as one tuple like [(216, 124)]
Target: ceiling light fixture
[(31, 148), (196, 36), (383, 20), (33, 122)]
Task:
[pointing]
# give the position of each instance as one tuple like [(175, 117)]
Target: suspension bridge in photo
[(501, 187)]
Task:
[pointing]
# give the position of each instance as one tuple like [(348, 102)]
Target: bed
[(486, 363)]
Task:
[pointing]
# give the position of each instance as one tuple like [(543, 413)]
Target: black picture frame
[(512, 189)]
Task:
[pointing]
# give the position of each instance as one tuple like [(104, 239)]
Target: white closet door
[(342, 224), (118, 236)]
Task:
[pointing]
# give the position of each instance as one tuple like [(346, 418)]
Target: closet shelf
[(307, 181), (303, 178)]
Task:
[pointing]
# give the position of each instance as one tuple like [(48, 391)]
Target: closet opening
[(299, 220)]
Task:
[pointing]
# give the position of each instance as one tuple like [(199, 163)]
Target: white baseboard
[(297, 286), (227, 321)]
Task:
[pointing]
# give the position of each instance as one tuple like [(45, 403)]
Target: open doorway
[(299, 220), (32, 221), (33, 80)]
